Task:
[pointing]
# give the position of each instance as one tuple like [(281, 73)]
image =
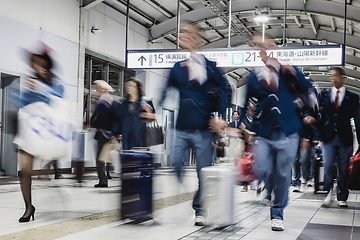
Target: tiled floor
[(67, 211)]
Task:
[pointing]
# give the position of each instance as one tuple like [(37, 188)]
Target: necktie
[(271, 84), (336, 102)]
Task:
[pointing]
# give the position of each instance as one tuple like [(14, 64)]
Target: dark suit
[(276, 124), (338, 138), (232, 124)]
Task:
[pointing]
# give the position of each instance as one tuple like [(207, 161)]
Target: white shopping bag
[(45, 130)]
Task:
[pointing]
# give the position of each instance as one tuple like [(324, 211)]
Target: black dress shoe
[(27, 219), (100, 185), (109, 177)]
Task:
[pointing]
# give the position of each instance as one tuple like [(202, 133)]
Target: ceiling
[(308, 22)]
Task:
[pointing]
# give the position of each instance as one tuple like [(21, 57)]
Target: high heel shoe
[(27, 219)]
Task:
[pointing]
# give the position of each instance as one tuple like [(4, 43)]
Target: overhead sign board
[(322, 55)]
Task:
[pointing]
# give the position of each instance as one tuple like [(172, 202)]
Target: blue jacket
[(129, 124), (274, 110), (197, 102), (339, 121), (54, 88)]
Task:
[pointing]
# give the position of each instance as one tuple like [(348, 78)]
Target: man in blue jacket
[(276, 123), (339, 105), (202, 91)]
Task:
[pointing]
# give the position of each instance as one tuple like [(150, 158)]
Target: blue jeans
[(274, 157), (201, 142), (336, 152), (302, 165)]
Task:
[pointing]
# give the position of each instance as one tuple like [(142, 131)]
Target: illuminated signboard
[(322, 55)]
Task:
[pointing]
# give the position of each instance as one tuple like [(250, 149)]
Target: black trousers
[(100, 165)]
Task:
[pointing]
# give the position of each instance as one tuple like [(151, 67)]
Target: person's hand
[(308, 120), (119, 137), (217, 124), (305, 144), (147, 116), (287, 68), (248, 137), (147, 107), (264, 57), (31, 84)]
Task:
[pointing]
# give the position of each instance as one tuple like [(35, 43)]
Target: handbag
[(106, 154), (247, 169), (153, 134), (46, 130), (353, 172)]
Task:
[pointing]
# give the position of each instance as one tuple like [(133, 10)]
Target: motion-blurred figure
[(201, 85), (37, 89), (339, 106), (276, 124), (103, 120), (133, 114)]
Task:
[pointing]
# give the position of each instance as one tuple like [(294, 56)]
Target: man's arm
[(357, 118), (170, 83)]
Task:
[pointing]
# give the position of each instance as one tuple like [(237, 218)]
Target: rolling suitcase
[(218, 195), (318, 170), (136, 188)]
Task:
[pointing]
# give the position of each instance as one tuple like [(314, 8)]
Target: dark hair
[(235, 112), (138, 85), (339, 70), (45, 57)]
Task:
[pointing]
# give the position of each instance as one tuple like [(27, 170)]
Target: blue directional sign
[(321, 55), (142, 59)]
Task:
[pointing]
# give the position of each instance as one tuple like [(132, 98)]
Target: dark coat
[(103, 117), (197, 102), (274, 110), (339, 121), (129, 125)]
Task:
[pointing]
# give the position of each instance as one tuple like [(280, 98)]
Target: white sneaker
[(265, 202), (296, 189), (309, 183), (277, 225), (329, 199), (245, 188), (200, 221), (342, 204)]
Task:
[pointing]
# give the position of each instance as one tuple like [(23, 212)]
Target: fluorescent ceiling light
[(262, 17)]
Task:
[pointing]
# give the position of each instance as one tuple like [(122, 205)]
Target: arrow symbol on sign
[(142, 59)]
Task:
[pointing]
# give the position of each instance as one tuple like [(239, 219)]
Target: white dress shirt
[(341, 94), (265, 73), (197, 68)]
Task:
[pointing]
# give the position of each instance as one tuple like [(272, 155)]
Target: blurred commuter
[(133, 114), (201, 86), (37, 89), (236, 122), (339, 105), (247, 132), (103, 120), (276, 124), (303, 161)]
